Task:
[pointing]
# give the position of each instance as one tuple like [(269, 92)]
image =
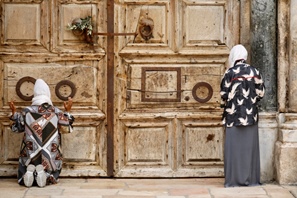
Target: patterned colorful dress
[(42, 126)]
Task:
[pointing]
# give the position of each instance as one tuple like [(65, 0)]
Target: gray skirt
[(241, 156)]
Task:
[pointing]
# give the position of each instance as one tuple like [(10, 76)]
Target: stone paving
[(146, 188)]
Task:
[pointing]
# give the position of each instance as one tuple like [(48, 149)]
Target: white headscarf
[(238, 52), (42, 93)]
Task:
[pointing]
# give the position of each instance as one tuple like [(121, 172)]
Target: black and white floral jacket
[(242, 87)]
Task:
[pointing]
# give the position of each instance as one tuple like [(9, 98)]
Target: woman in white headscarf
[(40, 160), (242, 87), (42, 93)]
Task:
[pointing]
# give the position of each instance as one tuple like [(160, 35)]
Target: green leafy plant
[(82, 24)]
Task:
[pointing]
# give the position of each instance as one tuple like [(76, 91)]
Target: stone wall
[(268, 135), (273, 47), (263, 47), (263, 56), (286, 146)]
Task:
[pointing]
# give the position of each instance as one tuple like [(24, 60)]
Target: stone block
[(268, 134), (289, 135), (286, 163)]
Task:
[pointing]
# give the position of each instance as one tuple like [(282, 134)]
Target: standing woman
[(242, 87), (40, 161)]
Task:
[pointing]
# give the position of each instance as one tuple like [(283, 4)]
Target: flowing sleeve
[(17, 123), (259, 86), (224, 89), (65, 122)]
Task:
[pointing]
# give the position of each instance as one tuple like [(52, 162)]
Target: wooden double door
[(145, 87)]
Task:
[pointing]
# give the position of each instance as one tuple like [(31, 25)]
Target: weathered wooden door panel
[(25, 25), (35, 43), (167, 85), (166, 82)]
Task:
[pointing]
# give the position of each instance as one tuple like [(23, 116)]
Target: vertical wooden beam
[(110, 88)]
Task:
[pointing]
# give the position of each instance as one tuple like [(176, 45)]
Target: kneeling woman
[(40, 160)]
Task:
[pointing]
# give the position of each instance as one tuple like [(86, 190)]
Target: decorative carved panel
[(25, 26), (156, 13), (204, 23), (83, 77), (179, 85), (143, 18), (146, 146), (75, 147), (11, 143), (162, 84), (147, 143), (64, 14), (202, 144), (207, 24), (26, 18)]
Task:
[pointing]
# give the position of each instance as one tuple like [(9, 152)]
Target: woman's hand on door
[(12, 107), (68, 104)]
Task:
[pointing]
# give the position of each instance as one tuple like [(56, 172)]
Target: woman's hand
[(68, 104), (12, 107)]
